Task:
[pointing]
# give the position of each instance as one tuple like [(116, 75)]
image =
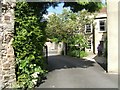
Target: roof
[(103, 10), (102, 14)]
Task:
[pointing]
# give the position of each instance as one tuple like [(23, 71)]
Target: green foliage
[(78, 39), (83, 54), (62, 26), (69, 27), (29, 38), (74, 53), (90, 5), (77, 44), (77, 53)]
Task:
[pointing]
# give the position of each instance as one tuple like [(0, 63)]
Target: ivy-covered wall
[(29, 40)]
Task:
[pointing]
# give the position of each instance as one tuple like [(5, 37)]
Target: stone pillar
[(112, 23), (7, 58)]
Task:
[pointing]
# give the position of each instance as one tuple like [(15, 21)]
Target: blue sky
[(59, 8)]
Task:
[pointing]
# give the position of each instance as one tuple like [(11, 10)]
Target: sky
[(58, 9)]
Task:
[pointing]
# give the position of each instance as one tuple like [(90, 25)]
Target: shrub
[(77, 44), (29, 39), (83, 54), (77, 53)]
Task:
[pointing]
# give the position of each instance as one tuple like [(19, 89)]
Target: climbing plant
[(29, 39)]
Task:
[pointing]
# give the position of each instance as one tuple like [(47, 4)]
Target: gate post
[(7, 58)]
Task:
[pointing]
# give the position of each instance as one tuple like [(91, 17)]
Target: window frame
[(105, 25), (90, 29), (89, 44)]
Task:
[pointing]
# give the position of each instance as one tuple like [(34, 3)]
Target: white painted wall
[(52, 46), (98, 34), (112, 10)]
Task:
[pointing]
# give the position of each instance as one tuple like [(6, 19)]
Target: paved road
[(67, 72)]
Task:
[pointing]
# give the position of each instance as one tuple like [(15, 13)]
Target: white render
[(99, 35), (112, 23)]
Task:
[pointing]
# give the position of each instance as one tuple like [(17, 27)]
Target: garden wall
[(7, 58)]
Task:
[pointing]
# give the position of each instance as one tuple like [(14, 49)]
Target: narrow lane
[(68, 72)]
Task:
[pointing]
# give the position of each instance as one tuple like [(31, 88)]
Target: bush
[(74, 53), (83, 54), (77, 53), (81, 41), (29, 39)]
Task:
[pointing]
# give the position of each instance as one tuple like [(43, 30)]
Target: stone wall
[(7, 58)]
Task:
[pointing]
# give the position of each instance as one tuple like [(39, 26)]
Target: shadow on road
[(65, 62), (102, 61), (65, 71)]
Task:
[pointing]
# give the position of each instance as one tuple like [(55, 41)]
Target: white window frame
[(86, 28), (90, 44), (102, 25)]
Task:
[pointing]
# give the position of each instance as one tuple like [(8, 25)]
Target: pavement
[(102, 61), (69, 72)]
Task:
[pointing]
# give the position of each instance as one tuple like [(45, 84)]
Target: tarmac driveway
[(68, 72)]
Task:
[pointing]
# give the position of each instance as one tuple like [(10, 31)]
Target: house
[(98, 32)]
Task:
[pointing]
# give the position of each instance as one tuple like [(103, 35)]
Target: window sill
[(102, 31), (88, 32)]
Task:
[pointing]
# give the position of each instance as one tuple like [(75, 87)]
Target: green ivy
[(29, 39)]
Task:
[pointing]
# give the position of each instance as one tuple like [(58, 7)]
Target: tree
[(66, 25), (89, 5), (60, 26), (77, 5)]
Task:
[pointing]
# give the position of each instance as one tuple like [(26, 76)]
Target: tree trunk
[(65, 48)]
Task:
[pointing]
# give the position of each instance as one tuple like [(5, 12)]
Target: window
[(102, 25), (89, 44), (88, 28)]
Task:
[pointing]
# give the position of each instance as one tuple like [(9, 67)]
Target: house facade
[(98, 32)]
